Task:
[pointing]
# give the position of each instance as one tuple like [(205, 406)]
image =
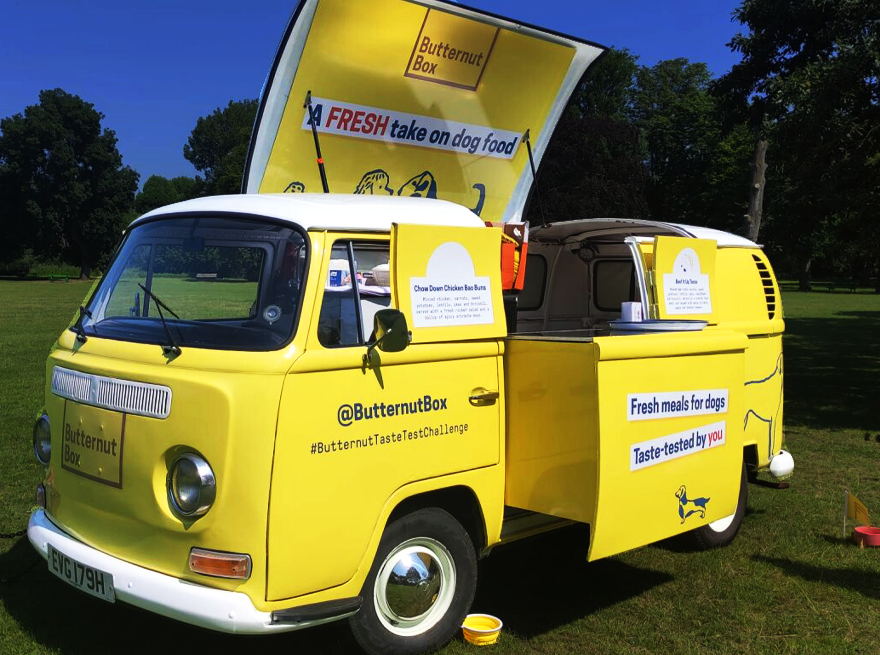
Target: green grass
[(191, 299), (788, 584)]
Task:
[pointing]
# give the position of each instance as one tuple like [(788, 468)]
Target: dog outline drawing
[(697, 505), (375, 182), (768, 406)]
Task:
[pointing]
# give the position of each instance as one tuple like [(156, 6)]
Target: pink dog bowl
[(866, 535)]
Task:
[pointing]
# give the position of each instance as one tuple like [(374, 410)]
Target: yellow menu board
[(684, 277), (447, 281)]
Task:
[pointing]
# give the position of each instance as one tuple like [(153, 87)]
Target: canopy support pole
[(308, 104), (528, 141)]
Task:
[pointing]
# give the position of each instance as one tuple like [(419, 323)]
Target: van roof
[(573, 231), (342, 212), (365, 213)]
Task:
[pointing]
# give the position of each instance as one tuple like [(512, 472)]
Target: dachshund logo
[(688, 507)]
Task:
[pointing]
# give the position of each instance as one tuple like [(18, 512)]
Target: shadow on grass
[(683, 543), (831, 375), (535, 587), (545, 583), (58, 616), (866, 583)]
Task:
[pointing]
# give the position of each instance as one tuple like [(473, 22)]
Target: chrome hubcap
[(414, 586)]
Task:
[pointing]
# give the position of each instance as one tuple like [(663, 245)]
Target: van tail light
[(220, 565)]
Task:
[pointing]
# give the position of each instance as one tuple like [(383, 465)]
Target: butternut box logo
[(451, 50)]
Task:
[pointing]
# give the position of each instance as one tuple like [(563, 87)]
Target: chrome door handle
[(483, 397)]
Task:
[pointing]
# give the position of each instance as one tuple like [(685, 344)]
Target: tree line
[(783, 149)]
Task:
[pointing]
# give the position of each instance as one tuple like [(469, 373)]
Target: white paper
[(451, 293), (686, 289)]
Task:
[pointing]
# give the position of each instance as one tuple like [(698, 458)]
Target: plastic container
[(481, 629), (865, 535)]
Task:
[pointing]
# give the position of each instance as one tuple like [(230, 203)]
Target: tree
[(62, 181), (680, 130), (218, 145), (607, 89), (159, 191), (592, 167), (809, 74)]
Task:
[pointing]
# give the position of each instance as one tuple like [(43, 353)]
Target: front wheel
[(420, 587), (723, 531)]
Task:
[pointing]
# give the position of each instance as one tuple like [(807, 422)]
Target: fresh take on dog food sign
[(401, 128)]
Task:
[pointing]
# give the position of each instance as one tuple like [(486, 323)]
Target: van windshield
[(225, 283)]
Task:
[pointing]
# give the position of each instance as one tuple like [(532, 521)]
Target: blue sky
[(154, 68)]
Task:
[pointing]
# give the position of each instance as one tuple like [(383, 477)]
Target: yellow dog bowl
[(481, 629)]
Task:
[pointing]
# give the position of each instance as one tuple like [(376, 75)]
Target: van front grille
[(139, 398), (767, 282)]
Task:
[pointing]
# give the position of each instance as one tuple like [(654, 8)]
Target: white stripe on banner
[(363, 122)]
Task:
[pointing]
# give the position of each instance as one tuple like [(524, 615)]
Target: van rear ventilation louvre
[(767, 281), (139, 398)]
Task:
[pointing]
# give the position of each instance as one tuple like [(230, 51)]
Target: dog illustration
[(481, 189), (687, 507), (422, 185), (295, 187), (765, 398), (375, 182)]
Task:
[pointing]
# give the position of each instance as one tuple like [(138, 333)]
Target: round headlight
[(43, 440), (191, 485)]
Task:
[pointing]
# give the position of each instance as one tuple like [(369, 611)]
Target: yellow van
[(284, 408)]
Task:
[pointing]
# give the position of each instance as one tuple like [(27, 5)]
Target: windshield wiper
[(78, 326), (172, 348)]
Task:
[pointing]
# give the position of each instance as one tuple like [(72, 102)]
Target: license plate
[(83, 577)]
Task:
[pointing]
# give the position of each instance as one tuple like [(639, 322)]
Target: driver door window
[(350, 302)]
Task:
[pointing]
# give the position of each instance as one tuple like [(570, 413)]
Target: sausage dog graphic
[(688, 507)]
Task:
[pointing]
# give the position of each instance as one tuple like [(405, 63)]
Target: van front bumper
[(215, 609)]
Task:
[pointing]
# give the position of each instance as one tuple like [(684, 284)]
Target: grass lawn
[(789, 584)]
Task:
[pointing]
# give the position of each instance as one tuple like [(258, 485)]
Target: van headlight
[(43, 440), (191, 485)]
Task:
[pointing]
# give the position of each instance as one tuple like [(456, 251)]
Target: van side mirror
[(391, 333)]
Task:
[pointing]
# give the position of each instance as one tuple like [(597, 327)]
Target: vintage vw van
[(288, 407)]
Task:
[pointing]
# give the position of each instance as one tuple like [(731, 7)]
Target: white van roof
[(342, 212), (363, 213)]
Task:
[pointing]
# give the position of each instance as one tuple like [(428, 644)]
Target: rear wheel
[(723, 531), (420, 587)]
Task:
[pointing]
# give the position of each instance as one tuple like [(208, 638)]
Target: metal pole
[(308, 104)]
